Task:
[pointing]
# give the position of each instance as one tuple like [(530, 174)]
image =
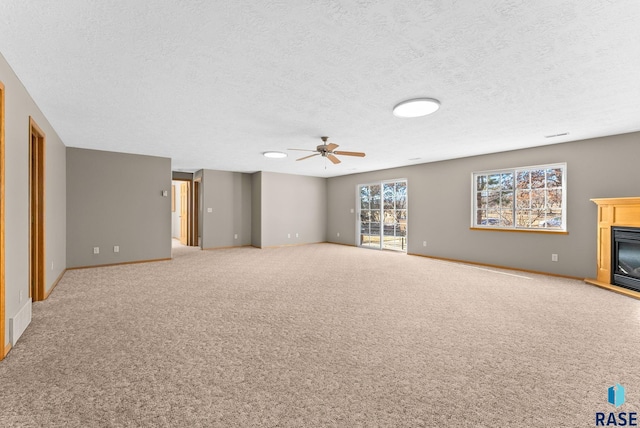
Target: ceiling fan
[(328, 151)]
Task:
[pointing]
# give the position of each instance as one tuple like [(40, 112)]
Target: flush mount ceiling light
[(416, 107), (274, 155)]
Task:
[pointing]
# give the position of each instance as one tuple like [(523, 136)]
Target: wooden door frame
[(37, 193), (4, 347)]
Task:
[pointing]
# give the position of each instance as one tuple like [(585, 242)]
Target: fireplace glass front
[(625, 257)]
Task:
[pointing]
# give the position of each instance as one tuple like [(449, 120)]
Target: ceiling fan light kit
[(416, 107)]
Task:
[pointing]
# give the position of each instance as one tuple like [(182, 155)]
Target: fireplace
[(616, 262), (625, 257)]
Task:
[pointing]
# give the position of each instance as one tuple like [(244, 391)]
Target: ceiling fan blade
[(332, 158), (331, 147), (359, 154), (303, 150), (307, 157)]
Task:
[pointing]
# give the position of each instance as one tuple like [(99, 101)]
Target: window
[(531, 197)]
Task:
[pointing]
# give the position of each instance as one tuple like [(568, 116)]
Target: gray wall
[(291, 205), (228, 195), (18, 107), (256, 212), (179, 175), (116, 199), (440, 205)]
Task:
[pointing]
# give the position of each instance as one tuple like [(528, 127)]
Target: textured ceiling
[(214, 84)]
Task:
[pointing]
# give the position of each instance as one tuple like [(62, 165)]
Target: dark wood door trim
[(195, 209), (37, 150)]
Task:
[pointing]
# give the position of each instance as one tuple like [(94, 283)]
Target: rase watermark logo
[(616, 397)]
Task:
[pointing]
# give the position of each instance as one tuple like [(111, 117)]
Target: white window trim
[(513, 170)]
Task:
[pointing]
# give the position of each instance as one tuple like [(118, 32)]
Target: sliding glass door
[(383, 215), (370, 207)]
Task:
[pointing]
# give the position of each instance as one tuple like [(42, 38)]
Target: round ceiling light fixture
[(416, 107), (274, 155)]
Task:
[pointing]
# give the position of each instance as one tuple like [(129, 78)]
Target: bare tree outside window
[(525, 198)]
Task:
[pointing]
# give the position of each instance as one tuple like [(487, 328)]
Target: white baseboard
[(19, 323)]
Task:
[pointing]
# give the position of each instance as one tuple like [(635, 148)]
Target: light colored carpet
[(319, 335)]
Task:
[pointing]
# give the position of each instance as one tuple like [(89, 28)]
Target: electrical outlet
[(338, 234), (289, 235), (297, 235), (424, 243), (235, 236), (554, 257), (116, 248), (51, 265), (351, 210), (20, 296), (96, 250)]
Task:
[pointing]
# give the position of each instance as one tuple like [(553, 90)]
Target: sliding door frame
[(381, 209)]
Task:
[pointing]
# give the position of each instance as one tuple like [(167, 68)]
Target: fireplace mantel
[(613, 212)]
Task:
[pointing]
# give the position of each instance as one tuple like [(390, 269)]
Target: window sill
[(496, 229)]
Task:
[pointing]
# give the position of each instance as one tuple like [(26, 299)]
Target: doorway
[(37, 149), (184, 215), (382, 219), (183, 233)]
